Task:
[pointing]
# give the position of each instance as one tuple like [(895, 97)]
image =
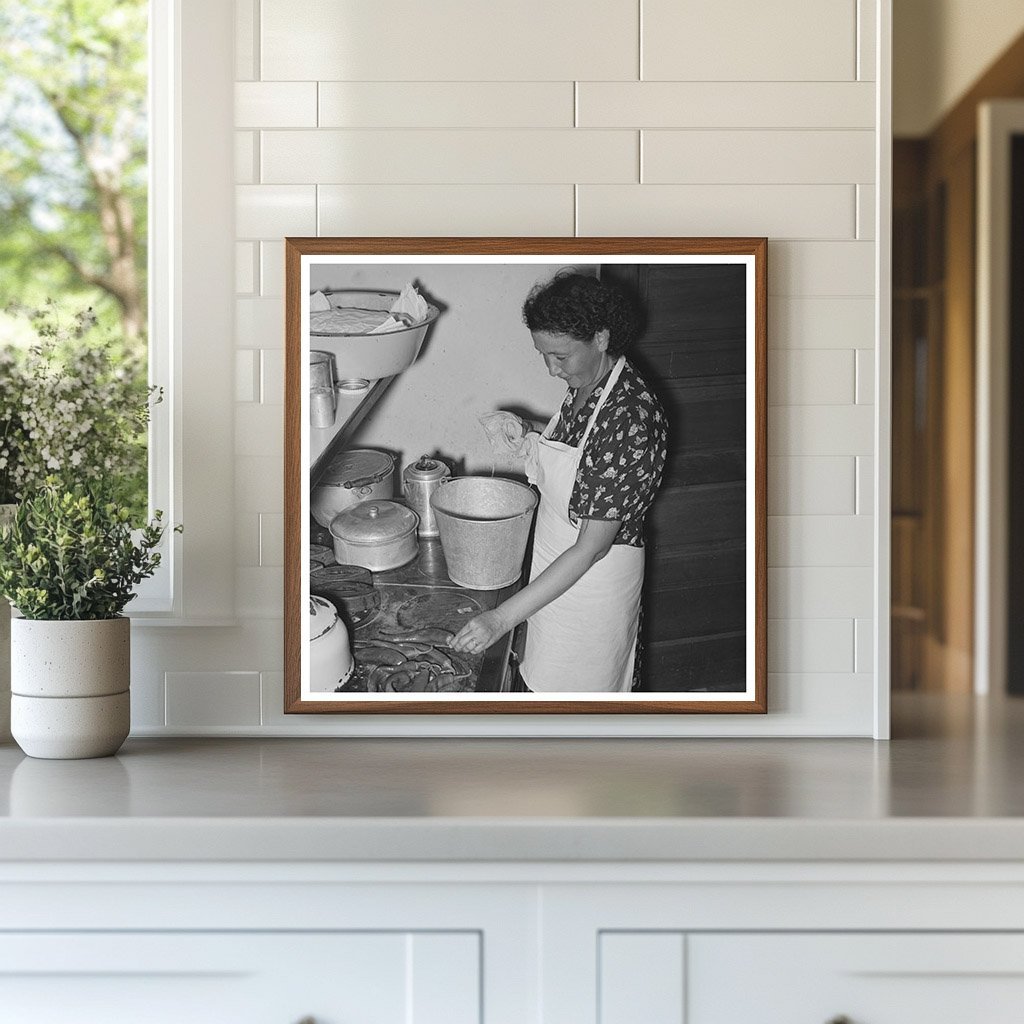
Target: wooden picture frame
[(703, 351)]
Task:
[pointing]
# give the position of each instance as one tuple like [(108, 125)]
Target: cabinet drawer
[(241, 978), (866, 978)]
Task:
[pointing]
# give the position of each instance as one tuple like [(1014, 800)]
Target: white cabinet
[(511, 943), (867, 979), (241, 978), (816, 978)]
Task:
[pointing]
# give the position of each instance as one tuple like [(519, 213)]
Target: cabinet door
[(242, 978), (862, 978)]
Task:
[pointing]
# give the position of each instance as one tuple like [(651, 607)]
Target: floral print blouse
[(622, 464)]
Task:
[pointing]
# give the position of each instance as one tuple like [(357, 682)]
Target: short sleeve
[(623, 462)]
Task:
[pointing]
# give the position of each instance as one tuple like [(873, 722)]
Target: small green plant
[(71, 553)]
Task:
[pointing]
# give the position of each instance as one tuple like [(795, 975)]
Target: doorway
[(949, 560)]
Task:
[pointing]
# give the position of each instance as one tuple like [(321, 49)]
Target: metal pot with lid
[(377, 535), (352, 476)]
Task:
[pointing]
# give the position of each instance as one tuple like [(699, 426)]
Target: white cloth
[(585, 640), (507, 435)]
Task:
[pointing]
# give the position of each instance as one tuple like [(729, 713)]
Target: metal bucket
[(484, 524)]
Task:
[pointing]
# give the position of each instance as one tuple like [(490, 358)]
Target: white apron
[(585, 640)]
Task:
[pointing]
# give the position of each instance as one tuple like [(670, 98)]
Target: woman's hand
[(480, 632)]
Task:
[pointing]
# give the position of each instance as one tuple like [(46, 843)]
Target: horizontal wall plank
[(735, 40), (275, 104), (696, 611), (821, 269), (864, 645), (246, 48), (829, 592), (271, 269), (697, 515), (245, 268), (270, 211), (247, 375), (447, 105), (701, 663), (259, 429), (453, 40), (259, 484), (821, 430), (811, 486), (811, 376), (447, 210), (271, 377), (259, 323), (726, 105), (776, 157), (271, 538), (845, 323), (247, 539), (205, 699), (867, 25), (246, 171), (865, 376), (811, 645), (865, 485), (776, 211), (676, 566), (830, 703), (866, 211), (447, 157), (259, 592), (806, 540)]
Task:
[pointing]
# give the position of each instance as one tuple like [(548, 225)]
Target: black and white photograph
[(525, 475)]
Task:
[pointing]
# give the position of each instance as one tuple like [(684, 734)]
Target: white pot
[(69, 683), (68, 727), (75, 658)]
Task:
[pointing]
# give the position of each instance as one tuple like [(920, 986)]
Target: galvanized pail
[(484, 524)]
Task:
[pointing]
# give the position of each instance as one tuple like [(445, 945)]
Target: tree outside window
[(73, 172)]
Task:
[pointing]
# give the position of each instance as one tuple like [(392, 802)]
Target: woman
[(597, 466)]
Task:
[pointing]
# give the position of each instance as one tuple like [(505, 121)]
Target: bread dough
[(346, 320)]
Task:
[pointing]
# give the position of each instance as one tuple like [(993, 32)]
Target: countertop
[(949, 786)]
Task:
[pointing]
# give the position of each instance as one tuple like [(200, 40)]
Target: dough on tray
[(348, 320)]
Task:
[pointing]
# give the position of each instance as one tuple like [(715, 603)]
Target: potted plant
[(71, 405), (69, 563)]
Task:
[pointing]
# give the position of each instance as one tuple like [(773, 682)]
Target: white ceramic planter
[(79, 658), (68, 727), (69, 683)]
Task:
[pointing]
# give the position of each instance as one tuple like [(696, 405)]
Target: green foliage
[(73, 155), (71, 554), (74, 407)]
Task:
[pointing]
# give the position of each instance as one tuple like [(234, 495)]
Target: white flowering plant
[(72, 407)]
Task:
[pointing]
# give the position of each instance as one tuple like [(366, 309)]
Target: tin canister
[(419, 480)]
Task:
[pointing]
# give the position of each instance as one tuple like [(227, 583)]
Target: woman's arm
[(592, 543)]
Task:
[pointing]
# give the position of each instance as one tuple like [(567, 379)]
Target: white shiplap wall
[(628, 117)]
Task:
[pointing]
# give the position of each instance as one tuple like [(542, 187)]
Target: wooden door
[(693, 354)]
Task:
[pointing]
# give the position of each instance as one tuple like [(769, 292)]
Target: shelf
[(352, 410)]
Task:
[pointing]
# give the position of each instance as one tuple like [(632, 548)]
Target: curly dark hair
[(579, 305)]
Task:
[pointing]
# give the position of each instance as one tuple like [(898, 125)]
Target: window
[(179, 191)]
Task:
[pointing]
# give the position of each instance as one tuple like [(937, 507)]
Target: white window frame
[(191, 288)]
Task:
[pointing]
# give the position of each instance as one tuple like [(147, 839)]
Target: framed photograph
[(525, 475)]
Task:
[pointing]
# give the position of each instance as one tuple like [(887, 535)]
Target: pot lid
[(374, 522), (357, 467), (426, 469)]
